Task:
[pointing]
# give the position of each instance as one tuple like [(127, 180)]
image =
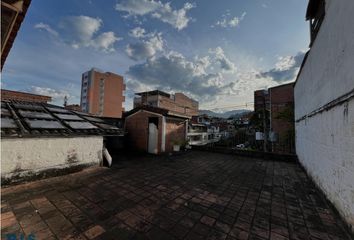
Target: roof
[(282, 85), (10, 95), (155, 92), (30, 119), (312, 8), (12, 16), (160, 111)]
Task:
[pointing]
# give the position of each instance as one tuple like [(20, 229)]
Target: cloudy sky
[(217, 52)]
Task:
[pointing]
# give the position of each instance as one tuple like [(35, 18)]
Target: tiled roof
[(29, 119)]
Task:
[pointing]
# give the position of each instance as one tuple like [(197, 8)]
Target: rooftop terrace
[(196, 195)]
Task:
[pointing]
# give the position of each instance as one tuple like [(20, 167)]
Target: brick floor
[(196, 195)]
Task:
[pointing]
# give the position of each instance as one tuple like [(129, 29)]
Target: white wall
[(325, 142), (22, 157)]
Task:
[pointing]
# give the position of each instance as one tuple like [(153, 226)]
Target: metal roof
[(30, 119)]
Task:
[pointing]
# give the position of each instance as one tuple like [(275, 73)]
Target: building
[(155, 130), (9, 95), (39, 139), (102, 93), (324, 103), (177, 102), (12, 15), (202, 132), (274, 116), (73, 107), (282, 129)]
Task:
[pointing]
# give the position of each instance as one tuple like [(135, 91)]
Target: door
[(152, 138)]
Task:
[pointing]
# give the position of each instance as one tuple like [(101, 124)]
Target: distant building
[(177, 102), (74, 107), (201, 131), (274, 109), (282, 133), (155, 130), (9, 95), (324, 103), (12, 15), (102, 93)]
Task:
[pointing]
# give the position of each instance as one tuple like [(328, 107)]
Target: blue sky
[(218, 52)]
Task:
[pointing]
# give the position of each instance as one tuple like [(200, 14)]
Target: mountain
[(232, 113)]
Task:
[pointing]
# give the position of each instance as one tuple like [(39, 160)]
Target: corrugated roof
[(29, 119)]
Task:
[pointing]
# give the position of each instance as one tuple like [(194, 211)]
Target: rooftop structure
[(40, 139), (155, 130), (177, 102)]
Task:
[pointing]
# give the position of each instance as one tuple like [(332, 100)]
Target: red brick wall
[(137, 128), (23, 96), (282, 97), (175, 131)]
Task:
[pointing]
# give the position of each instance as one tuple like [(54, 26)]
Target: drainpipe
[(163, 138), (107, 156)]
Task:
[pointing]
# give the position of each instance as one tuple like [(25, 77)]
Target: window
[(315, 14)]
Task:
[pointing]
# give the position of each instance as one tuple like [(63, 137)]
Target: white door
[(152, 140)]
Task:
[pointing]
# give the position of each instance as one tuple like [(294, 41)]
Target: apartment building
[(324, 103), (177, 102), (102, 93)]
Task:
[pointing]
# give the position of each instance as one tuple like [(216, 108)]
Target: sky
[(217, 52)]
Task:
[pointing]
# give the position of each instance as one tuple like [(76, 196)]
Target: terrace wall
[(325, 139), (24, 158)]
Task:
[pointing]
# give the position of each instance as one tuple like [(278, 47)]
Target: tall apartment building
[(177, 102), (102, 93)]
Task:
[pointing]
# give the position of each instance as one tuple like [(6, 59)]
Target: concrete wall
[(325, 141), (26, 157)]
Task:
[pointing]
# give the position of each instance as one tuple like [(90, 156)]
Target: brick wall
[(175, 131), (137, 129), (23, 96), (282, 99)]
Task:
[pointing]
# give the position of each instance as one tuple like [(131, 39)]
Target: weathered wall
[(175, 131), (136, 126), (325, 141), (23, 157)]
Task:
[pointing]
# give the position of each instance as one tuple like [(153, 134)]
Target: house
[(42, 139), (324, 103), (155, 130), (177, 102)]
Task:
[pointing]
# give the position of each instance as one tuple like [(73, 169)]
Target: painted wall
[(22, 157), (325, 141)]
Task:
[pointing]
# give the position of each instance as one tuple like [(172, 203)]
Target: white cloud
[(285, 69), (47, 28), (145, 48), (137, 32), (225, 64), (226, 21), (176, 17), (173, 72), (57, 95), (82, 31)]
